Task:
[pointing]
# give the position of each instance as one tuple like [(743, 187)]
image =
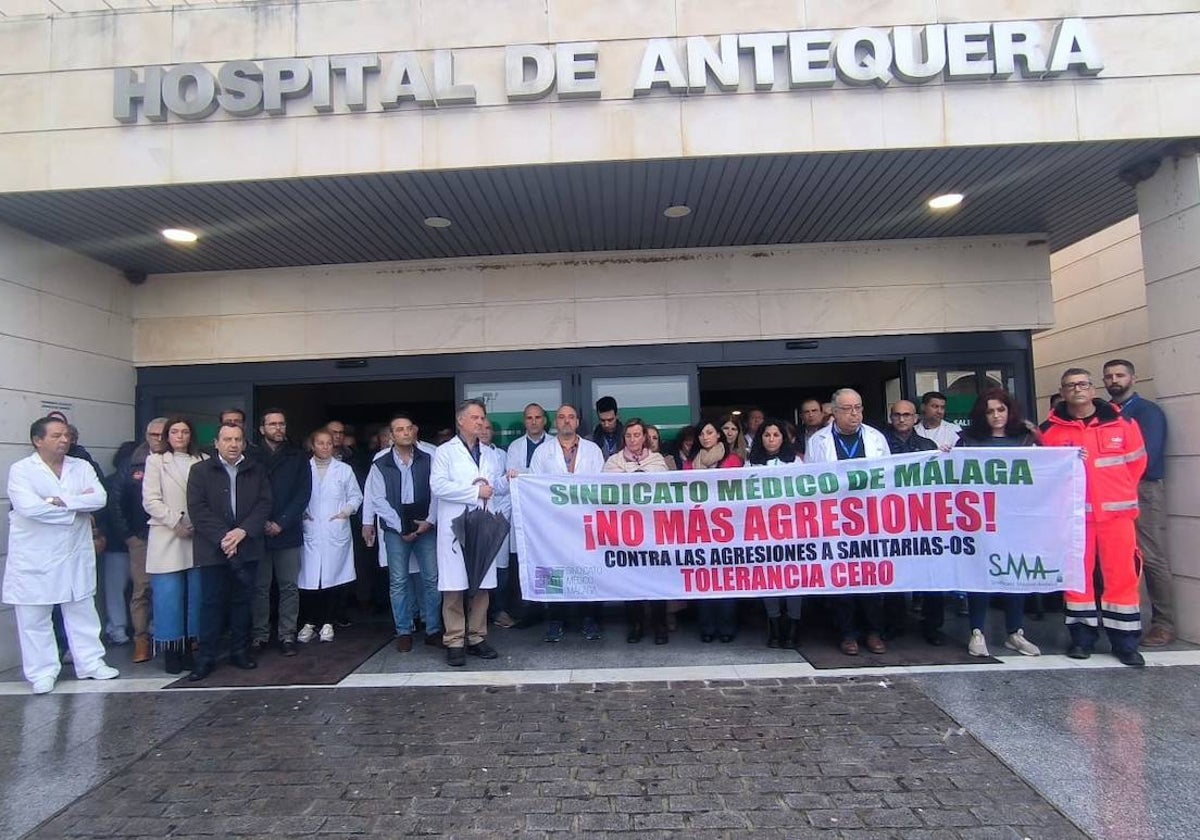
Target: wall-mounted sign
[(759, 61)]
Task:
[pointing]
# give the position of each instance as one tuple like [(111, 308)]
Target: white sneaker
[(977, 646), (306, 634), (102, 672), (1020, 644), (43, 686), (327, 633)]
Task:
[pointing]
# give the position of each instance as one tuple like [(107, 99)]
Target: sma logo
[(1019, 568)]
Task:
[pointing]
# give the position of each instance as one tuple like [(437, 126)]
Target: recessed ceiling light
[(438, 222), (946, 201), (677, 211), (180, 235)]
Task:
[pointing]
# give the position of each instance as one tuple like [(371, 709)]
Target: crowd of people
[(249, 544)]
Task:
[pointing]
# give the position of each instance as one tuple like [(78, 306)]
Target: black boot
[(773, 632), (635, 633), (173, 661)]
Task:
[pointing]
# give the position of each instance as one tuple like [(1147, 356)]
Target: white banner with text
[(971, 520)]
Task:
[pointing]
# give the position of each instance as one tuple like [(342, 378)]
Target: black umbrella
[(480, 533)]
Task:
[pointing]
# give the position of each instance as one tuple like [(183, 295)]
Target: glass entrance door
[(505, 394), (964, 379)]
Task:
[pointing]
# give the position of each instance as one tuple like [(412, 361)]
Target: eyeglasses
[(903, 414), (849, 409), (1076, 386)]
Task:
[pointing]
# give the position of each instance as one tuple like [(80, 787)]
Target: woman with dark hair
[(685, 445), (174, 581), (996, 420), (637, 457), (733, 437), (654, 444), (772, 449), (718, 616)]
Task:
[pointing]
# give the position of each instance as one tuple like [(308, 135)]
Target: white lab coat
[(452, 482), (822, 449), (51, 557), (518, 452), (370, 512), (502, 502), (327, 556), (549, 460)]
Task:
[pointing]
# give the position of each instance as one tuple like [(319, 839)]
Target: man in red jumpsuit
[(1114, 460)]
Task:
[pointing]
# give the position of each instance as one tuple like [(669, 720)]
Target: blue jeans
[(401, 589), (176, 599), (1014, 611)]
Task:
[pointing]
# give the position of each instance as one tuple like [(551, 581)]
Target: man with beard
[(1119, 379)]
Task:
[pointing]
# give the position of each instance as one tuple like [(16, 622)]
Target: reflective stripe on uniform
[(1119, 460), (1084, 613), (1122, 623), (1128, 504)]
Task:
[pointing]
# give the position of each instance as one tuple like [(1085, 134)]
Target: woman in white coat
[(174, 581), (462, 474), (327, 556)]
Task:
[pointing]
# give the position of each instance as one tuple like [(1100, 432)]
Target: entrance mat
[(317, 663), (823, 653)]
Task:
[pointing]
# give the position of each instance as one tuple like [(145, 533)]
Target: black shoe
[(173, 661), (725, 638), (456, 657), (706, 638), (1131, 658), (287, 647), (661, 636), (342, 621), (243, 661), (200, 671), (1079, 652), (635, 634), (935, 638), (483, 650)]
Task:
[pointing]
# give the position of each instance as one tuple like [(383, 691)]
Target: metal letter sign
[(696, 65)]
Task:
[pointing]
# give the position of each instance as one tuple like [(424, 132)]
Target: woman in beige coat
[(174, 583)]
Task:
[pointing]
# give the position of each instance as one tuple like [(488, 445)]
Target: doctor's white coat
[(327, 556), (51, 557), (453, 483)]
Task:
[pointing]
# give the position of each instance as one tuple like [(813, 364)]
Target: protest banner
[(973, 520)]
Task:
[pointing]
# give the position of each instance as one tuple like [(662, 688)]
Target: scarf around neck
[(706, 459)]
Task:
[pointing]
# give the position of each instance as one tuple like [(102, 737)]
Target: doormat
[(823, 653), (317, 663)]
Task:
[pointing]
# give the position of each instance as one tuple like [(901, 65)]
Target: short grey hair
[(840, 391), (467, 403), (156, 421)]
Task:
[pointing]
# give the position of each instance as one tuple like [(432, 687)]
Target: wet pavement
[(609, 739)]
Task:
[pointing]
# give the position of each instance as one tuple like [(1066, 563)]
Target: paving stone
[(833, 759)]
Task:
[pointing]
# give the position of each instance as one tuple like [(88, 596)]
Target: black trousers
[(635, 612), (225, 590), (320, 606), (846, 610)]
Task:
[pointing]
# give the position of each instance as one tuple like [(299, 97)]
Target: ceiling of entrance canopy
[(1065, 192)]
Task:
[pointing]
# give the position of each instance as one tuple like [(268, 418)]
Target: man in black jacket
[(291, 486), (229, 500), (129, 522)]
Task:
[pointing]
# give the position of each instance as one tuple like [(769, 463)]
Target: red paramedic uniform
[(1116, 459)]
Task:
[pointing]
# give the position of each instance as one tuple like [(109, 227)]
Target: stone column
[(1169, 213)]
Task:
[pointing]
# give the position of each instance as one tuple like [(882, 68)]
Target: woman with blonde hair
[(327, 555)]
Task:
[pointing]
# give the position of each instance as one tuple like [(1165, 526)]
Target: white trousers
[(39, 650)]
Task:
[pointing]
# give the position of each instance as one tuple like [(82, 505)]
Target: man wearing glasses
[(902, 439), (1114, 458), (847, 438)]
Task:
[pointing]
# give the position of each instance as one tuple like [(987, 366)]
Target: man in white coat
[(51, 557), (520, 458), (847, 438), (461, 478), (569, 454)]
